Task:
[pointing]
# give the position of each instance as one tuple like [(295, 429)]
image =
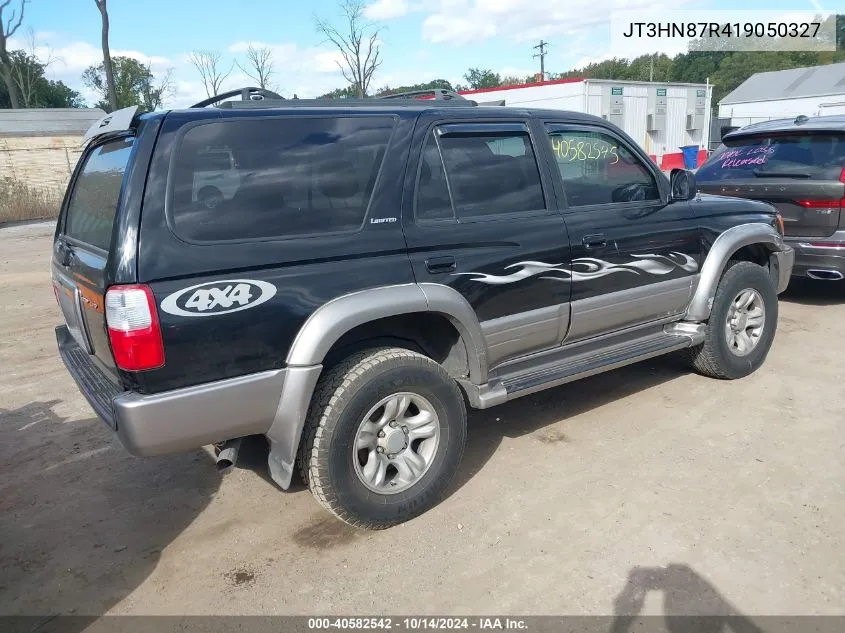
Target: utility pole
[(542, 55), (651, 68)]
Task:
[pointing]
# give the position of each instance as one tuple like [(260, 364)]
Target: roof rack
[(436, 93), (259, 98), (250, 94)]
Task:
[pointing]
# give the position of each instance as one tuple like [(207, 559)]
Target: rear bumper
[(826, 261), (188, 418), (184, 419)]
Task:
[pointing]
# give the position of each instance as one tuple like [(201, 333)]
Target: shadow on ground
[(530, 414), (80, 519), (690, 603), (814, 292), (517, 418)]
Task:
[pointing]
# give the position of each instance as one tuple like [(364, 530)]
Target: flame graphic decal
[(585, 268)]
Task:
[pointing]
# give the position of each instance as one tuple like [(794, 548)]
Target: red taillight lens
[(134, 330), (821, 204)]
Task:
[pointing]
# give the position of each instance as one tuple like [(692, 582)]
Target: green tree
[(441, 84), (134, 84), (34, 89), (478, 78), (348, 92), (55, 94)]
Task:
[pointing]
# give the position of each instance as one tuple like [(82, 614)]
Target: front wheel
[(385, 435), (742, 323)]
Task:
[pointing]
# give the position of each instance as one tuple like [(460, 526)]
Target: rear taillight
[(779, 224), (134, 330), (821, 204)]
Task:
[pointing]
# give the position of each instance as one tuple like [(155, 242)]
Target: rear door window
[(489, 172), (263, 178), (93, 201), (807, 156)]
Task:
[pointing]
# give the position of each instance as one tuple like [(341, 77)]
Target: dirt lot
[(730, 494)]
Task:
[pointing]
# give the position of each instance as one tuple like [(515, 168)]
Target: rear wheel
[(385, 435), (210, 197), (742, 323)]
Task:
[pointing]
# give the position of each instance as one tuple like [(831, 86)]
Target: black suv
[(797, 165), (344, 277)]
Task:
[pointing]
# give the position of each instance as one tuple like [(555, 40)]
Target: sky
[(420, 39)]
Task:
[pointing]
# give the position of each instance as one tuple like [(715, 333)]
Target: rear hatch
[(800, 173), (81, 250)]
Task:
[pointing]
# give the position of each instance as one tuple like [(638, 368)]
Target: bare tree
[(259, 65), (107, 63), (357, 42), (208, 66), (7, 29), (28, 69), (155, 95)]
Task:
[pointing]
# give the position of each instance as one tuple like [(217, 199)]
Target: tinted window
[(247, 179), (93, 202), (492, 173), (816, 156), (433, 202), (597, 169)]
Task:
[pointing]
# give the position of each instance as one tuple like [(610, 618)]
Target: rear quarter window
[(817, 156), (263, 178), (93, 201)]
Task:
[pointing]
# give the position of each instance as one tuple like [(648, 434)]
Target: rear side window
[(248, 179), (486, 174), (807, 156), (93, 201)]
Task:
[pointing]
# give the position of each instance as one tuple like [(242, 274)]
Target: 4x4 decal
[(585, 268), (218, 297)]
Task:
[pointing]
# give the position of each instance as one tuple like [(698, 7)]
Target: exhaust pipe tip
[(228, 456), (825, 275)]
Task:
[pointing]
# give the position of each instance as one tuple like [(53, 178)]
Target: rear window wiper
[(763, 173)]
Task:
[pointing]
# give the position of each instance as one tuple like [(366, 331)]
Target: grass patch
[(19, 201)]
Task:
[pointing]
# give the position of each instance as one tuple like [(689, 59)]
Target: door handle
[(445, 264), (66, 254), (594, 241)]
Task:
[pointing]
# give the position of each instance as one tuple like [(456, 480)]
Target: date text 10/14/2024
[(417, 623)]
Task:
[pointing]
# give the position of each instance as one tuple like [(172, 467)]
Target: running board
[(569, 365)]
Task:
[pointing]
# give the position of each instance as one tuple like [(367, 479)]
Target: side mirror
[(682, 185)]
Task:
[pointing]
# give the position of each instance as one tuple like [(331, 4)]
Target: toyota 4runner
[(345, 277)]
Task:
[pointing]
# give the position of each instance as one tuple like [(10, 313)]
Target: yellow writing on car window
[(574, 149)]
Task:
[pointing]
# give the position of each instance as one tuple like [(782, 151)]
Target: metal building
[(40, 147), (786, 94), (661, 117)]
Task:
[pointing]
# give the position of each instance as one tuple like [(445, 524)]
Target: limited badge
[(218, 297)]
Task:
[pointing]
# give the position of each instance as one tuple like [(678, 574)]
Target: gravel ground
[(704, 496)]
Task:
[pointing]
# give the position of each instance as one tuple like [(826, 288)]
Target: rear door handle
[(594, 241), (445, 264)]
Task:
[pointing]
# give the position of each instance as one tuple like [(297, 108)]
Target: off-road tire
[(341, 399), (714, 358)]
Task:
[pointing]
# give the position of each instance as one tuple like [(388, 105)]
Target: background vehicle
[(216, 177), (383, 265), (799, 167)]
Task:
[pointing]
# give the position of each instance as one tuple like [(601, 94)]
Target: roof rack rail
[(246, 94), (347, 103), (436, 93)]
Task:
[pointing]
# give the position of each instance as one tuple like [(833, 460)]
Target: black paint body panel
[(310, 271)]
